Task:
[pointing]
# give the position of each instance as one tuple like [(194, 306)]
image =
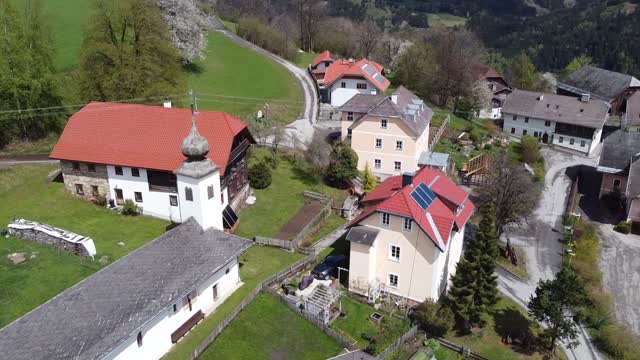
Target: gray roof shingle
[(558, 108), (90, 319), (407, 103), (363, 234), (600, 83), (618, 148)]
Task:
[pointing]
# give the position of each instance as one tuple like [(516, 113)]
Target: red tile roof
[(142, 136), (438, 220), (323, 56), (341, 68)]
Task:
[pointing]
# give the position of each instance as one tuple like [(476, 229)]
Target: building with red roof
[(409, 238), (498, 86), (131, 151), (320, 64)]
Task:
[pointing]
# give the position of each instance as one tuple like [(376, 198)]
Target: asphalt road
[(301, 129), (539, 238)]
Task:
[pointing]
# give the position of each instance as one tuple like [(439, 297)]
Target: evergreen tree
[(27, 74), (369, 182), (343, 166), (127, 54), (474, 286), (523, 73)]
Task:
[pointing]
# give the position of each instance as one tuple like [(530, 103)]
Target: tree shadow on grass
[(307, 175), (193, 68), (515, 328)]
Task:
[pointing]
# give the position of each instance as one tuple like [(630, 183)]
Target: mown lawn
[(276, 204), (25, 193), (304, 59), (267, 329), (256, 264), (507, 318), (356, 324), (445, 20), (333, 222), (237, 80)]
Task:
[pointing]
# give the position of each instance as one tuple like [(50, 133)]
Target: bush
[(267, 37), (260, 175), (343, 166), (435, 319), (530, 148), (130, 208), (623, 227)]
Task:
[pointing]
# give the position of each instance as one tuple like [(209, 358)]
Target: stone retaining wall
[(43, 238)]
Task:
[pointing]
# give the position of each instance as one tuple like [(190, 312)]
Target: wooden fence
[(466, 352), (283, 244), (439, 133), (571, 199), (316, 221), (401, 340)]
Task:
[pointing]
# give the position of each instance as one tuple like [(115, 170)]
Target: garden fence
[(283, 244), (401, 340), (439, 133), (466, 352), (317, 220)]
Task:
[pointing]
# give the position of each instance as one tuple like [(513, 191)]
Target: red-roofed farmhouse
[(409, 239), (131, 151)]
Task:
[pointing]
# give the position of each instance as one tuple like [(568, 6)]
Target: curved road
[(539, 238), (302, 128)]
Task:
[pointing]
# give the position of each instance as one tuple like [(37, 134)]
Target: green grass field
[(304, 59), (267, 329), (25, 193), (276, 204), (445, 20)]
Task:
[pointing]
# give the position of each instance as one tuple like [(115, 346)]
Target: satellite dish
[(259, 114)]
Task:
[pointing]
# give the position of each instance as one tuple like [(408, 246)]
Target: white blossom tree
[(188, 26)]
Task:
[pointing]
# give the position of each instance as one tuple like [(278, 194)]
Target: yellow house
[(408, 241), (388, 132)]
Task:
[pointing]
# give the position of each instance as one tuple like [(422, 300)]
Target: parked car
[(328, 267)]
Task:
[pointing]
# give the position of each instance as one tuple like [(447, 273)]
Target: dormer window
[(383, 123), (350, 116)]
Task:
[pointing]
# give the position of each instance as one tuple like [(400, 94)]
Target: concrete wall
[(606, 184), (363, 142), (340, 95), (154, 203), (83, 176), (537, 128), (156, 340)]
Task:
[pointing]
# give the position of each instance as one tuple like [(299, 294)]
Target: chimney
[(167, 104), (585, 97), (394, 98), (541, 97), (407, 179)]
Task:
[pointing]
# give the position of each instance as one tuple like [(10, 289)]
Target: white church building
[(142, 304)]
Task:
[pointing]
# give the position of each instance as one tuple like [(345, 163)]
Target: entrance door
[(545, 138), (119, 197)]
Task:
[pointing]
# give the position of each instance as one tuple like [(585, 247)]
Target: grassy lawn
[(25, 193), (276, 204), (37, 147), (231, 26), (304, 59), (330, 224), (521, 269), (256, 264), (356, 324), (445, 20), (506, 319), (267, 329), (235, 79)]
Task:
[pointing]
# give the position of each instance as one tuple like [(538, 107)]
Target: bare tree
[(482, 94), (338, 36), (510, 189), (368, 36), (318, 153), (188, 27), (389, 49), (310, 13)]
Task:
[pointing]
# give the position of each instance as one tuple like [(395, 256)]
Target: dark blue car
[(328, 267)]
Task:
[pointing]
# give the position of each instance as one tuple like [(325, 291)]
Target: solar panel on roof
[(368, 69), (379, 78), (423, 196)]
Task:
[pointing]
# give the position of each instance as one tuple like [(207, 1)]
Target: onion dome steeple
[(195, 147)]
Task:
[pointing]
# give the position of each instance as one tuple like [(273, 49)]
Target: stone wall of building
[(83, 176)]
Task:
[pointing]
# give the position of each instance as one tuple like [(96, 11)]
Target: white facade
[(203, 203), (518, 126), (158, 203), (156, 335), (154, 203), (344, 89), (491, 113)]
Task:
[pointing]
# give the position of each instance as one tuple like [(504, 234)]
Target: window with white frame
[(399, 145), (383, 123), (583, 143), (377, 163), (349, 116), (386, 219), (547, 123), (361, 85), (397, 165), (394, 252), (571, 141), (393, 280), (378, 143), (407, 224)]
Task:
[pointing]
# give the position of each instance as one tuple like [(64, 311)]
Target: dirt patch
[(310, 209)]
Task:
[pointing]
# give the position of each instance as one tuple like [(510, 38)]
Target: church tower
[(198, 182)]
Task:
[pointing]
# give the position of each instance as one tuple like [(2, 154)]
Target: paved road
[(301, 129), (539, 238)]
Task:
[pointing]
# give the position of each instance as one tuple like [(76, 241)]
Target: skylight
[(379, 78), (368, 69)]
